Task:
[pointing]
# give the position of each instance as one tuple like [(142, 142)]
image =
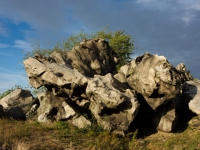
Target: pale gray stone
[(17, 103), (81, 122), (192, 91), (114, 106), (166, 118), (155, 78)]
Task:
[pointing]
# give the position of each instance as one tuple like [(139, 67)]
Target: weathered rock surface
[(51, 74), (90, 57), (192, 95), (155, 78), (112, 103), (122, 73), (166, 118), (56, 108), (17, 103), (49, 105), (185, 74)]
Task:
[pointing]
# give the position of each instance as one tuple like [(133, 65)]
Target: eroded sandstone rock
[(166, 118), (192, 95), (49, 106), (17, 103), (155, 78), (55, 108), (185, 74), (90, 57), (112, 103), (53, 76)]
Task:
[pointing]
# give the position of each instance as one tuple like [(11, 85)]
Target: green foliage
[(10, 91), (75, 39), (123, 46), (37, 49)]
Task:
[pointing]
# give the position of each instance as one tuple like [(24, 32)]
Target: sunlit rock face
[(185, 74), (112, 103), (17, 103), (90, 57), (155, 78)]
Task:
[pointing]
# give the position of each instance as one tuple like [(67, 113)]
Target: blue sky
[(164, 27)]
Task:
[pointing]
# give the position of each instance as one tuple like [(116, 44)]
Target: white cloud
[(187, 17), (3, 45), (190, 4), (189, 9), (24, 45), (3, 30), (10, 80)]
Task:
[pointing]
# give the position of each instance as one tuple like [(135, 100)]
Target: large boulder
[(191, 92), (17, 103), (55, 108), (90, 57), (49, 106), (112, 103), (155, 78), (166, 119), (56, 78)]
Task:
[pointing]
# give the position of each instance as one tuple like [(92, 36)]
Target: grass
[(25, 135), (54, 136)]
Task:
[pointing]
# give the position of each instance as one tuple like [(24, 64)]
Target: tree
[(120, 42)]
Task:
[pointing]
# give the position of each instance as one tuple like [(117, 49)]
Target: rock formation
[(155, 78), (82, 85), (73, 92), (90, 57), (17, 103), (166, 118), (185, 74), (112, 103), (192, 95)]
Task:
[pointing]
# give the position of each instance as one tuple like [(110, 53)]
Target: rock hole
[(139, 59), (59, 74), (155, 94)]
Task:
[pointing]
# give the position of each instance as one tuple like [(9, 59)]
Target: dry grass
[(20, 135), (20, 145)]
